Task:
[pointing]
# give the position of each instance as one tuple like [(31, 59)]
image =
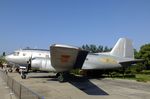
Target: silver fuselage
[(41, 60)]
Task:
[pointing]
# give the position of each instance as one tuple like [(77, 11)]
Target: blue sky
[(40, 23)]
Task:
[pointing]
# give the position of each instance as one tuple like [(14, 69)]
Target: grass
[(137, 77), (145, 72), (142, 77)]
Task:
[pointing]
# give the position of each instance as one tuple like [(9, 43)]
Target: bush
[(141, 80), (76, 71), (145, 72)]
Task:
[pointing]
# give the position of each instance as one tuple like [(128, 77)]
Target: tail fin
[(123, 48)]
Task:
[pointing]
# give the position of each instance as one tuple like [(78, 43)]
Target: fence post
[(7, 80), (20, 92), (12, 85)]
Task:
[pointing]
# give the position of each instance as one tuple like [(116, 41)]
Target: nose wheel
[(23, 76), (23, 72), (62, 76)]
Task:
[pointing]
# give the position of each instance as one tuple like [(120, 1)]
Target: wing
[(65, 58)]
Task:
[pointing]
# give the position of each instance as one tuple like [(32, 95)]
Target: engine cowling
[(41, 64), (36, 63)]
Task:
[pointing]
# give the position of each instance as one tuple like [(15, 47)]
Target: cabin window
[(24, 54), (16, 53)]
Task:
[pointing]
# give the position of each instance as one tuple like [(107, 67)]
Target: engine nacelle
[(41, 64)]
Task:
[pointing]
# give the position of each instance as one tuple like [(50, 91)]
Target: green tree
[(106, 49), (100, 48), (95, 49), (2, 59), (144, 53)]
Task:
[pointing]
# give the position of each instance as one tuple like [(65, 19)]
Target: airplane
[(64, 58), (21, 58)]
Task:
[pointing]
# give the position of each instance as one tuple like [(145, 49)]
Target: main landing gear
[(62, 76), (23, 72)]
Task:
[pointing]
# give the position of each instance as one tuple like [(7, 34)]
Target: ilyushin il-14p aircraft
[(64, 58)]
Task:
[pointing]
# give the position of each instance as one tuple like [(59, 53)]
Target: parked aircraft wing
[(65, 58)]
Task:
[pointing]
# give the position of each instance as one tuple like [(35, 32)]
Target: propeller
[(29, 64), (4, 54)]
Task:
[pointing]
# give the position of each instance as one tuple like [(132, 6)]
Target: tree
[(144, 53), (106, 49), (139, 66), (100, 48), (2, 60), (95, 49)]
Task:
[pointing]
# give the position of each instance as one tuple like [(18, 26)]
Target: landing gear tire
[(23, 72), (10, 70), (63, 76), (23, 76), (17, 70), (57, 75)]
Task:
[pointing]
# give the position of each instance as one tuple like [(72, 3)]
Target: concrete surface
[(5, 91), (82, 88)]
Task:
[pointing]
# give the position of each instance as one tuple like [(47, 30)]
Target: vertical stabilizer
[(123, 48)]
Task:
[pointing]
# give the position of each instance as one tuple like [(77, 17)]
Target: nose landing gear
[(23, 76), (23, 72)]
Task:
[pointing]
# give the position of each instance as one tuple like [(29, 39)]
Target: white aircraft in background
[(63, 58)]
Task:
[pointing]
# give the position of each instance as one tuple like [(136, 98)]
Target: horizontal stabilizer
[(134, 61)]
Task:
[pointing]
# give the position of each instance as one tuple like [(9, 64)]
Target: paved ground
[(82, 88), (5, 92)]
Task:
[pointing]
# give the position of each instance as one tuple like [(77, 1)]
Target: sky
[(40, 23)]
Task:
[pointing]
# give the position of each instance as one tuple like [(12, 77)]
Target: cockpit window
[(16, 53)]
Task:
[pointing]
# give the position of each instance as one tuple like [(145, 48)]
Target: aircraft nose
[(7, 58)]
